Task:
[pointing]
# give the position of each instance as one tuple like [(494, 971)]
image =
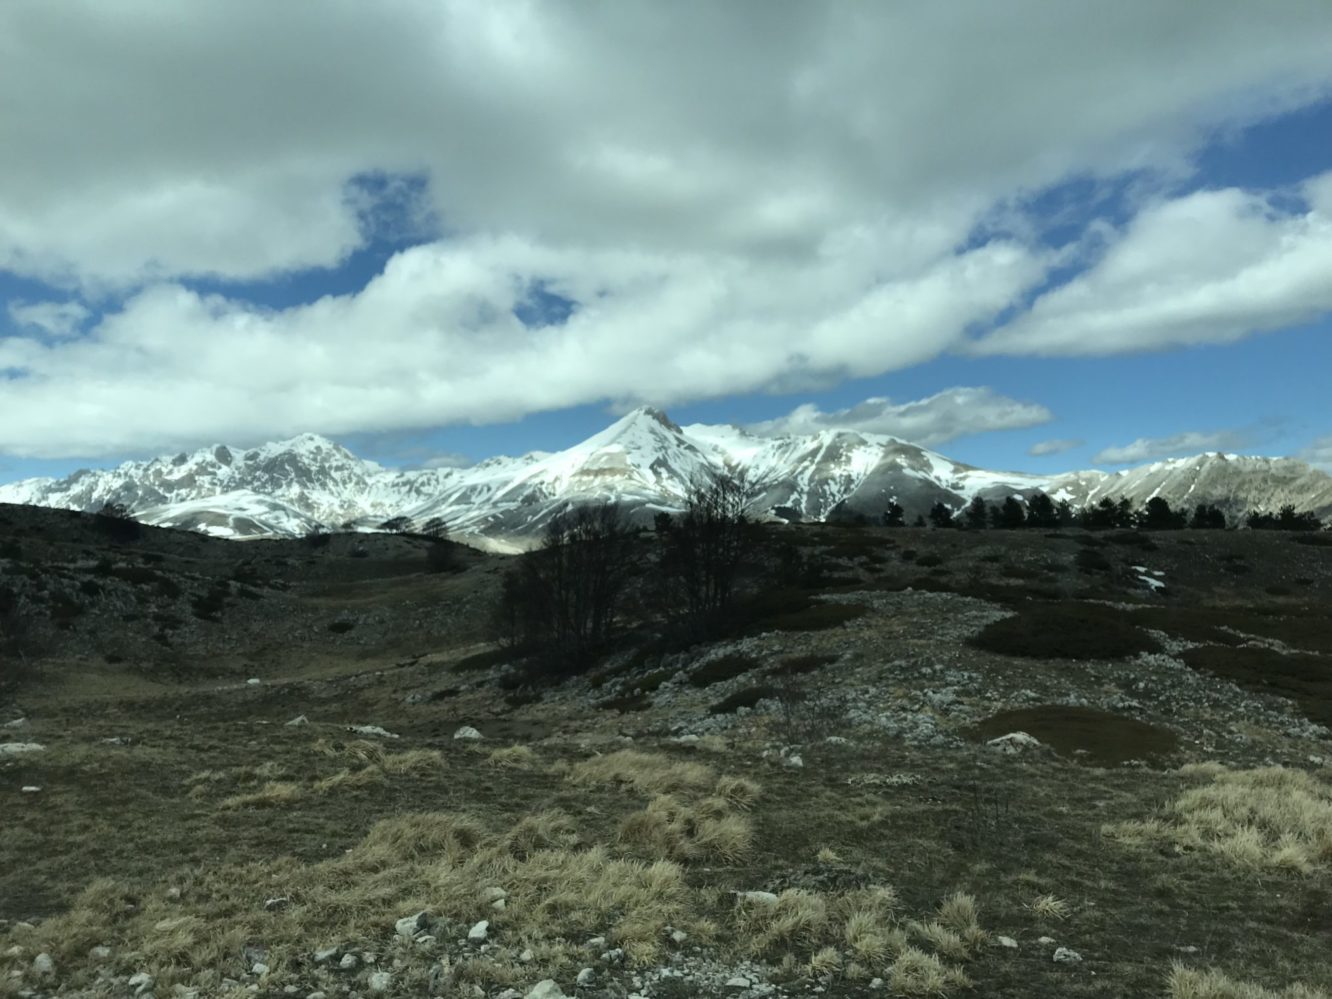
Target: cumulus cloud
[(174, 366), (1191, 442), (1043, 448), (58, 319), (1209, 267), (735, 197), (953, 413), (449, 459)]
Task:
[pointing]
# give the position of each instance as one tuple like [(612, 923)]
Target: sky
[(1030, 235)]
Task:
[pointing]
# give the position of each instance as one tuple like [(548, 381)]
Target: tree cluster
[(1107, 514)]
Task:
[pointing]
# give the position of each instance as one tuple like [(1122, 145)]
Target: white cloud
[(1208, 267), (953, 413), (433, 341), (220, 139), (1318, 453), (57, 319), (450, 459), (1043, 448), (1191, 442), (740, 197)]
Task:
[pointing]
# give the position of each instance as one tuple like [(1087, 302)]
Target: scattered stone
[(479, 933), (380, 981), (546, 989), (349, 962), (1045, 940), (596, 943), (259, 969), (317, 995), (325, 954), (510, 994), (43, 965), (614, 956), (141, 982), (1006, 942), (1064, 955), (585, 978), (253, 681), (425, 940), (876, 983), (679, 936), (30, 789), (277, 904), (739, 983), (372, 730), (17, 748), (761, 897), (526, 957), (1014, 742), (467, 732), (16, 723), (100, 953), (173, 894), (499, 905), (794, 761), (291, 990), (493, 894), (298, 721), (410, 926)]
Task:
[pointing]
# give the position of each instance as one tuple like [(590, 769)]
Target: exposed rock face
[(645, 463)]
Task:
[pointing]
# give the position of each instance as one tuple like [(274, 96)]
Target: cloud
[(222, 140), (953, 413), (1209, 267), (174, 367), (1318, 453), (751, 196), (1191, 442), (1043, 448), (58, 319), (450, 459)]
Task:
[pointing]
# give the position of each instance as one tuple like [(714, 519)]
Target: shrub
[(722, 668)]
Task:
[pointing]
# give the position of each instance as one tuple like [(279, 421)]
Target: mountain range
[(644, 462)]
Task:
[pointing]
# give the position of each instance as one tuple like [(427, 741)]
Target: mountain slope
[(644, 462)]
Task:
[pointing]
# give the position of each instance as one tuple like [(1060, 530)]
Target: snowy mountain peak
[(643, 461)]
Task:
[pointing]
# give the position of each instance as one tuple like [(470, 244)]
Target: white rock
[(348, 962), (17, 748), (1006, 942), (479, 933), (317, 995), (467, 732), (499, 905), (794, 761), (679, 936), (585, 978), (527, 957), (1045, 940), (298, 721), (380, 981), (760, 897), (100, 952), (259, 968), (141, 982), (16, 723), (546, 989), (876, 983), (253, 681), (493, 894), (738, 982), (276, 904), (597, 943), (425, 940), (325, 954), (43, 965), (1063, 955), (1014, 742), (30, 789), (510, 994), (409, 926), (372, 730)]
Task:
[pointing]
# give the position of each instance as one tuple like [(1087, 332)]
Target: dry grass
[(512, 758), (1190, 983), (915, 973), (1048, 907), (740, 792), (1270, 817), (646, 773), (274, 794), (670, 828)]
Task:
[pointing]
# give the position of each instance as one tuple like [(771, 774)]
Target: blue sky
[(1027, 239)]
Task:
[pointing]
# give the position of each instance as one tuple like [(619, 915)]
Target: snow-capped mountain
[(644, 462)]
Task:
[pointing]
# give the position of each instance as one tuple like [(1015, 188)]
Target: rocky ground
[(339, 787)]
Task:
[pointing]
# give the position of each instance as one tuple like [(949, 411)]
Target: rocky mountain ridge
[(645, 462)]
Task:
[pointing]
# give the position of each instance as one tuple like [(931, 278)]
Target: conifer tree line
[(1040, 511)]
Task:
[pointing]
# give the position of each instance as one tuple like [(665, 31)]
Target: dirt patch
[(1096, 737)]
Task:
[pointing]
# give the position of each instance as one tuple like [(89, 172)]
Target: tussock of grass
[(1270, 817), (644, 772), (1048, 907), (741, 792), (512, 758), (916, 973), (347, 779), (671, 829), (272, 795), (546, 830), (1191, 983)]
